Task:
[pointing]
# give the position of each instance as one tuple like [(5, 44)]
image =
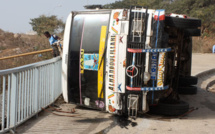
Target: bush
[(2, 48)]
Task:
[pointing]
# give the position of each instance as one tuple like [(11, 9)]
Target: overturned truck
[(129, 61)]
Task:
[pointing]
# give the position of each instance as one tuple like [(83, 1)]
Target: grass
[(2, 48)]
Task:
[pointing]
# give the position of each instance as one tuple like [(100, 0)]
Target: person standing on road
[(53, 39)]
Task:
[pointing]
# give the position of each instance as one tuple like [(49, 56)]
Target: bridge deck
[(91, 121)]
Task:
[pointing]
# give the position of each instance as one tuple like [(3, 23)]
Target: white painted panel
[(64, 73)]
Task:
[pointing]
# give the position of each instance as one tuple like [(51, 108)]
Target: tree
[(153, 4), (47, 23), (202, 9)]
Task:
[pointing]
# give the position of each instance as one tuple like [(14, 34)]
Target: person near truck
[(53, 39)]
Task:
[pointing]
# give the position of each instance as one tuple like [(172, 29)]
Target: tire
[(186, 23), (190, 90), (187, 81), (170, 109)]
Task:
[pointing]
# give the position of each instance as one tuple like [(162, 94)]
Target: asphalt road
[(86, 121)]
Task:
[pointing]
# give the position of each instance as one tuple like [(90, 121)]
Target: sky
[(15, 15)]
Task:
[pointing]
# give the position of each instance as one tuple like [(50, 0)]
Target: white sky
[(15, 15)]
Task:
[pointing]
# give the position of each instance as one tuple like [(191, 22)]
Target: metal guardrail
[(26, 54), (25, 90)]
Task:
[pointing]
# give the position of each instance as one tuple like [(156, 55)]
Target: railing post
[(13, 100), (3, 104), (53, 82), (60, 72), (36, 89), (8, 100), (56, 79)]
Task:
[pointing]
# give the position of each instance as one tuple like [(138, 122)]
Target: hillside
[(203, 44), (14, 44)]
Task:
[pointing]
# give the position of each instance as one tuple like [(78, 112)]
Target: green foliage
[(47, 23), (202, 9), (145, 3), (205, 34), (2, 48)]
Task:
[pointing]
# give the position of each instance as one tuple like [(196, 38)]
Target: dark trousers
[(55, 51)]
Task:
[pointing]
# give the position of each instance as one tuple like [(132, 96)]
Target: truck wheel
[(187, 81), (189, 90), (186, 23), (175, 109)]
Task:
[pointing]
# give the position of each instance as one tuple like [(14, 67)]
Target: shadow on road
[(120, 121), (203, 101), (94, 120)]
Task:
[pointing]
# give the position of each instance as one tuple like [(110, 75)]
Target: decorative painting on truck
[(115, 63), (161, 67), (91, 61)]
